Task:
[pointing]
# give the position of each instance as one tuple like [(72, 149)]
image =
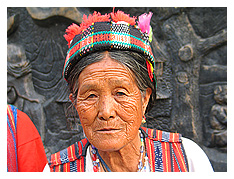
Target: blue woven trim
[(14, 109), (165, 136), (158, 156), (64, 156), (107, 32), (77, 150), (73, 166), (14, 113)]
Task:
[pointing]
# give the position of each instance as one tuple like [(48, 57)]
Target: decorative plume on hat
[(74, 29), (115, 30), (144, 24), (121, 16)]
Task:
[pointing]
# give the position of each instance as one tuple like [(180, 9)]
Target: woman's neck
[(125, 159)]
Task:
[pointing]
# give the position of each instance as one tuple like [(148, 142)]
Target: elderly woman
[(110, 72)]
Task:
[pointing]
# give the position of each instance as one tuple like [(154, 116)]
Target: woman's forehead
[(105, 67), (107, 70), (109, 83)]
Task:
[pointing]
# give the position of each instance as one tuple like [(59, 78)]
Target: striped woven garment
[(165, 152), (12, 165)]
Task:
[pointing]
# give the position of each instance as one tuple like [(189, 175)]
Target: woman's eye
[(120, 94), (92, 96)]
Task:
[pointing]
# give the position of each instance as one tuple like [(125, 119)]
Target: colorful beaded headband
[(99, 32)]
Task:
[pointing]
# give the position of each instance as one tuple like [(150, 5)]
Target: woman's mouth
[(108, 130)]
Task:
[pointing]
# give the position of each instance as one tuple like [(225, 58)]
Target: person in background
[(25, 150)]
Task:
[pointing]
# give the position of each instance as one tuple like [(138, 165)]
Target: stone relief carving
[(45, 13), (218, 117), (12, 24), (20, 89), (187, 50), (190, 64)]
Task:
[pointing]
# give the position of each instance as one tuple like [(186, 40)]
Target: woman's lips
[(108, 130)]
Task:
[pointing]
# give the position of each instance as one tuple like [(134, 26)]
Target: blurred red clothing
[(30, 150)]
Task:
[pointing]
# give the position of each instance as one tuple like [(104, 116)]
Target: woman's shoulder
[(69, 154), (197, 158), (160, 135)]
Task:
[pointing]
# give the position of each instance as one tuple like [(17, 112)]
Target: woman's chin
[(108, 145)]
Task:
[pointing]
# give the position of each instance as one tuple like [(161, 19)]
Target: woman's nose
[(106, 108)]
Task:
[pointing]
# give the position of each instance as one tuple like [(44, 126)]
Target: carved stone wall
[(189, 43)]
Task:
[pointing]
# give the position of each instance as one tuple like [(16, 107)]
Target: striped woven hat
[(114, 31)]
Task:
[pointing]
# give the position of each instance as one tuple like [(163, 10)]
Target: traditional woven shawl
[(165, 152), (12, 165)]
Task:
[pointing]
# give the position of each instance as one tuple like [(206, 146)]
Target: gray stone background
[(190, 45)]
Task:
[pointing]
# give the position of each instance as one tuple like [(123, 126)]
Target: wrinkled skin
[(110, 107)]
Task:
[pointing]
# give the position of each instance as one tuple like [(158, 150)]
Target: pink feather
[(144, 22)]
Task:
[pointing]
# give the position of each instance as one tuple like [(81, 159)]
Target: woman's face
[(109, 104)]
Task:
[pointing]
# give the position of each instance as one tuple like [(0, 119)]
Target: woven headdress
[(114, 31)]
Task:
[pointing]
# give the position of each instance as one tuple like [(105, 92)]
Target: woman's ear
[(71, 98), (146, 98)]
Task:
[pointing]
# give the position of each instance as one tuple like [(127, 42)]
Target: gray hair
[(134, 62)]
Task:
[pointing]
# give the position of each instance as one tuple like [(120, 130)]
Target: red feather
[(74, 29), (121, 16), (96, 17)]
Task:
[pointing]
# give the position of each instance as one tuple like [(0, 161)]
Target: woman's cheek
[(131, 113), (86, 112), (130, 108)]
